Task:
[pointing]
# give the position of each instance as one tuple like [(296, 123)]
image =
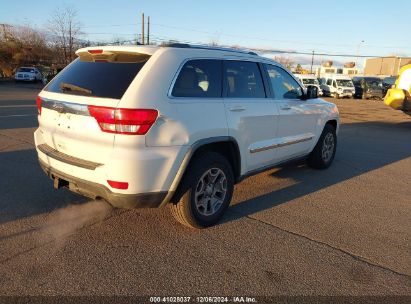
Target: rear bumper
[(96, 191)]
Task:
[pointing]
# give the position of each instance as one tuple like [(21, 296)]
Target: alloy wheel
[(210, 192)]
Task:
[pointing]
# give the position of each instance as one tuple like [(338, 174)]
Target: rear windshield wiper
[(68, 87)]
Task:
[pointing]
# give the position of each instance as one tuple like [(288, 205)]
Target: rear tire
[(324, 151), (205, 191)]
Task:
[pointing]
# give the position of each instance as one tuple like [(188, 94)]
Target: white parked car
[(145, 126), (337, 86), (28, 74), (309, 80)]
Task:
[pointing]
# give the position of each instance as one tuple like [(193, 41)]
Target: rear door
[(65, 122), (251, 116)]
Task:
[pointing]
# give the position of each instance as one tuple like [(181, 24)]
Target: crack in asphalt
[(352, 255)]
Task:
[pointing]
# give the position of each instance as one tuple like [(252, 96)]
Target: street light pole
[(358, 53)]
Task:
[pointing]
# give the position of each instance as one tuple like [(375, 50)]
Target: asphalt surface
[(290, 231)]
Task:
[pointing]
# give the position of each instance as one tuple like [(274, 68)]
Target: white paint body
[(331, 86), (151, 162), (309, 79), (28, 74)]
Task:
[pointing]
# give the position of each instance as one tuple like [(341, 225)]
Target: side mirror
[(312, 92)]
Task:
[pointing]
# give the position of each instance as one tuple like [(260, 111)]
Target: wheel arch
[(332, 122), (224, 145), (327, 120)]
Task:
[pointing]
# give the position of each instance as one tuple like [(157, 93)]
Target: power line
[(249, 37), (162, 39)]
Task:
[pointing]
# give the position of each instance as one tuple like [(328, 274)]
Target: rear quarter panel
[(181, 121)]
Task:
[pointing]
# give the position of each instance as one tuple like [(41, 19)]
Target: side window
[(243, 80), (329, 82), (199, 78), (334, 84), (284, 86)]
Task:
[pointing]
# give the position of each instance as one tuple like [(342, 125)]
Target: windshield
[(98, 79), (390, 80), (25, 70), (375, 82), (344, 83), (307, 81)]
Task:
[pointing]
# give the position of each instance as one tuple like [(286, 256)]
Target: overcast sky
[(335, 27)]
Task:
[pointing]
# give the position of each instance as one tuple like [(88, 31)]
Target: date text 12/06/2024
[(237, 299)]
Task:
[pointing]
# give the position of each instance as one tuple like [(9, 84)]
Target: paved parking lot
[(290, 231)]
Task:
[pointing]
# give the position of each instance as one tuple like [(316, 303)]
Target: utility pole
[(148, 30), (142, 29), (312, 62)]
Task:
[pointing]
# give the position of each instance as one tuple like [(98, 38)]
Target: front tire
[(205, 192), (324, 151)]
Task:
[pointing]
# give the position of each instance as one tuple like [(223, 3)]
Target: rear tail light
[(124, 121), (38, 102), (118, 185), (95, 51)]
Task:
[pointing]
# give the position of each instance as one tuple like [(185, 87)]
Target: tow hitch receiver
[(58, 183)]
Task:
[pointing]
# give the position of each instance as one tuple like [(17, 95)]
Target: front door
[(297, 118)]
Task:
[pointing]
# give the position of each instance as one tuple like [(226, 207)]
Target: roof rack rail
[(207, 47)]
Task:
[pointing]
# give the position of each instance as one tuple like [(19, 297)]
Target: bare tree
[(22, 45), (117, 40), (65, 30), (285, 61)]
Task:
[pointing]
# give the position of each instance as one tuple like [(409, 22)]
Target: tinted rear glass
[(199, 78), (98, 79), (244, 80)]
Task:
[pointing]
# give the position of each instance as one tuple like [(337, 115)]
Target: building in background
[(385, 66), (328, 68)]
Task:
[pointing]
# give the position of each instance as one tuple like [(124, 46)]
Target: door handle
[(285, 108), (236, 109)]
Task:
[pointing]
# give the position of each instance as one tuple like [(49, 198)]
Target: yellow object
[(395, 98), (399, 97)]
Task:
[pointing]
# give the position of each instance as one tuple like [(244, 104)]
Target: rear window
[(199, 78), (244, 80), (97, 79)]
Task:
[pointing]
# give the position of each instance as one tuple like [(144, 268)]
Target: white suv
[(28, 74), (145, 126)]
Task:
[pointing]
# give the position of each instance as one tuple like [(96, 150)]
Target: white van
[(309, 80), (337, 86)]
